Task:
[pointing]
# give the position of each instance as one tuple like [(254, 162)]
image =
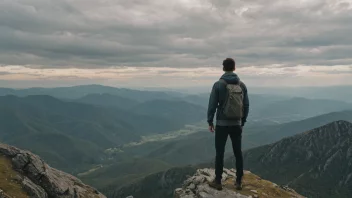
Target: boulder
[(39, 180)]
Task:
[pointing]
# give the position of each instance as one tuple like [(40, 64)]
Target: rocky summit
[(253, 186), (25, 175)]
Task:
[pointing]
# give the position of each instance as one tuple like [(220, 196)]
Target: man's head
[(229, 65)]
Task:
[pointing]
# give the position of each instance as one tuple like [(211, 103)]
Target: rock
[(197, 187), (39, 180), (32, 189), (192, 186), (254, 191), (2, 194)]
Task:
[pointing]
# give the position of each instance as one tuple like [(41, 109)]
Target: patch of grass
[(262, 188), (7, 180)]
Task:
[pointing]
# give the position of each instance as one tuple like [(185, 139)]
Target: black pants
[(221, 134)]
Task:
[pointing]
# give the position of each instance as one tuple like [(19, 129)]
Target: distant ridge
[(108, 100), (270, 134), (76, 92), (317, 163)]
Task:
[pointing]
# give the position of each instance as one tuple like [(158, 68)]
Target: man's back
[(219, 96), (228, 123)]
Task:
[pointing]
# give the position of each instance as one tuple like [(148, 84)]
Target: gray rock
[(32, 189), (39, 180), (197, 186), (2, 195), (254, 191), (192, 186)]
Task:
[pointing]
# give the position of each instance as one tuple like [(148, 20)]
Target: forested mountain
[(67, 133), (317, 163), (106, 134), (158, 185), (176, 111), (270, 134), (108, 100), (198, 148)]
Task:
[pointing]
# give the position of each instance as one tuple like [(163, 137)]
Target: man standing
[(229, 99)]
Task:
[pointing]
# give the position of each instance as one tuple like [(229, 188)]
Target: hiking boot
[(215, 184), (238, 184)]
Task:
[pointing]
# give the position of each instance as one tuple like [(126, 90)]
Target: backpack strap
[(222, 81)]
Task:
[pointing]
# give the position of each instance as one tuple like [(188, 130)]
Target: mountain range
[(67, 133), (119, 140), (108, 100), (77, 92), (317, 163), (297, 109), (266, 106), (198, 150), (199, 147)]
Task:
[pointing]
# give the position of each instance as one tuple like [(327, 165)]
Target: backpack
[(233, 105)]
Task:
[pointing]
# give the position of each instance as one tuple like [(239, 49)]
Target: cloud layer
[(139, 77), (174, 33)]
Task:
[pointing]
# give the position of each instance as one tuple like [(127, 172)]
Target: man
[(229, 99)]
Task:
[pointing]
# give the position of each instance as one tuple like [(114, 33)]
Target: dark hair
[(229, 64)]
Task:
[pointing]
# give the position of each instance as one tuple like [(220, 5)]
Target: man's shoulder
[(220, 81), (243, 86)]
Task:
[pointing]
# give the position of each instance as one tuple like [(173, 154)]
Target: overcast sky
[(178, 43)]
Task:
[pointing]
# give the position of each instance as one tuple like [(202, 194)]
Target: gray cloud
[(4, 73), (91, 34)]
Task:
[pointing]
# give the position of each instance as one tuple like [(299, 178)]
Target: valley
[(187, 130), (118, 139)]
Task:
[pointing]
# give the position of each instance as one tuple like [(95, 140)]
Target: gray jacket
[(218, 97)]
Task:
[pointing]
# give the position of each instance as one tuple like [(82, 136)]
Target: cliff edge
[(24, 175)]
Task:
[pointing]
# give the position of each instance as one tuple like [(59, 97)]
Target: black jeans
[(221, 134)]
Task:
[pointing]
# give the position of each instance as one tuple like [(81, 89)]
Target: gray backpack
[(233, 106)]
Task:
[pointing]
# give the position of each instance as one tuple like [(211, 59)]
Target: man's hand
[(211, 128)]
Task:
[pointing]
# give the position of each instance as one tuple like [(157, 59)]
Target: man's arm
[(213, 104), (245, 104)]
